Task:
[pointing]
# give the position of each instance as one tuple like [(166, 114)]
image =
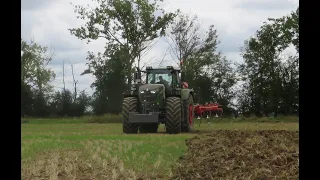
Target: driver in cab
[(164, 82)]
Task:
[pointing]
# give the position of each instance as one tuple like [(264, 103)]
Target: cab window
[(154, 77)]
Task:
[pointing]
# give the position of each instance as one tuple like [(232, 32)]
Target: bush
[(106, 118), (23, 120), (268, 119)]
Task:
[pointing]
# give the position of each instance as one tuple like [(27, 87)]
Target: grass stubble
[(78, 152), (98, 159), (246, 155)]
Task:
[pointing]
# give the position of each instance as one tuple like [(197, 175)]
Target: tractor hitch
[(135, 117)]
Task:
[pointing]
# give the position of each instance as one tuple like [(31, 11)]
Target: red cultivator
[(208, 110)]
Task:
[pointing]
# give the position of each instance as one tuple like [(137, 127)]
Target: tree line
[(130, 27)]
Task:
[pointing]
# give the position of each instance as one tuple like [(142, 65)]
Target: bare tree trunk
[(64, 84), (75, 82)]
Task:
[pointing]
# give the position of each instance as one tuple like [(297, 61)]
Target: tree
[(207, 71), (288, 29), (128, 23), (26, 99), (35, 78), (34, 62), (110, 83), (184, 36), (187, 44), (223, 78), (83, 103), (267, 76)]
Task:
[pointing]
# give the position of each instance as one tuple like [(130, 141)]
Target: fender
[(185, 93)]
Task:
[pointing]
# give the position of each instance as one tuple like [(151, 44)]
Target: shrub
[(106, 118)]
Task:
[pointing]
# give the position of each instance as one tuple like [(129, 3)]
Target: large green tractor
[(164, 98)]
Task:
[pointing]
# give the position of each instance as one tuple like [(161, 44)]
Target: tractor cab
[(168, 76)]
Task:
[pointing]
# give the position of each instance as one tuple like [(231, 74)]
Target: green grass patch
[(101, 144), (113, 118)]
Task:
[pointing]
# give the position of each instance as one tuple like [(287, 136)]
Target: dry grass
[(113, 118), (73, 149), (96, 151), (96, 161), (241, 155)]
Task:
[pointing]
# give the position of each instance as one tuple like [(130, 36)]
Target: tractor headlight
[(155, 91)]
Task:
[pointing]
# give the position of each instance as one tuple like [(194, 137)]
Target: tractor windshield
[(159, 77)]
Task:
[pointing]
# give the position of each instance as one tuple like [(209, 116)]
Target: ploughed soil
[(248, 155)]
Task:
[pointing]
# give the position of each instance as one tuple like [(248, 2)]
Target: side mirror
[(137, 77)]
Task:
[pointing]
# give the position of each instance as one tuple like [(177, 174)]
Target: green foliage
[(287, 29), (109, 84), (267, 119), (35, 78), (34, 61), (26, 99), (130, 24), (37, 97), (207, 71), (271, 83), (127, 26), (62, 104)]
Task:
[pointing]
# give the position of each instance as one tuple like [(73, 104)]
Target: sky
[(47, 23)]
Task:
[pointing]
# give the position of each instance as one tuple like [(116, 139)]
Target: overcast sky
[(47, 21)]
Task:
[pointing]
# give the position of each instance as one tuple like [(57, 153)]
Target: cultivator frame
[(208, 110)]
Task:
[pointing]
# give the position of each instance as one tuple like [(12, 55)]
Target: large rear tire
[(130, 104), (148, 128), (173, 115), (188, 115)]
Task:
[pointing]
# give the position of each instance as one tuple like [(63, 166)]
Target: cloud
[(267, 5), (31, 5), (47, 21)]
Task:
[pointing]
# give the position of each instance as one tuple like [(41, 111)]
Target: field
[(73, 149)]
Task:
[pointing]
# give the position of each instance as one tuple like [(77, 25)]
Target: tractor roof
[(148, 68)]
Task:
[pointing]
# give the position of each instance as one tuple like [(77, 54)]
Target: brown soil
[(261, 155)]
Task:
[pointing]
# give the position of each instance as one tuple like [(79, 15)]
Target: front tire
[(130, 104), (173, 115)]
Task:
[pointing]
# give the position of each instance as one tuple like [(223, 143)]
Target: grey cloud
[(233, 42), (30, 5), (268, 5), (234, 57), (62, 43), (27, 23), (74, 57)]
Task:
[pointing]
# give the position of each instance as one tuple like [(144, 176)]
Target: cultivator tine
[(199, 121), (217, 115), (209, 121)]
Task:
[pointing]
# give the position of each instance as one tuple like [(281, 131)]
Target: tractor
[(163, 99)]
